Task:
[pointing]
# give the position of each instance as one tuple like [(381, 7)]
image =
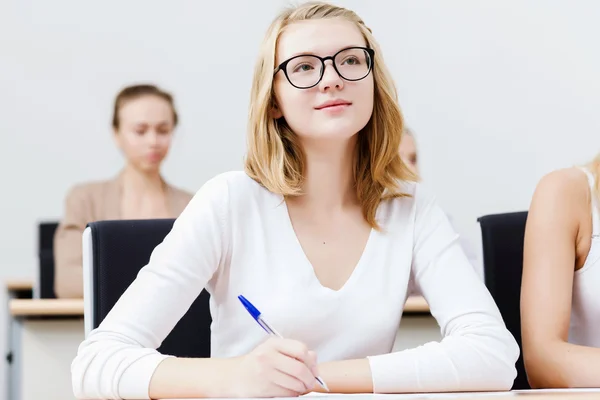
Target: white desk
[(44, 340), (554, 394), (45, 335), (15, 288)]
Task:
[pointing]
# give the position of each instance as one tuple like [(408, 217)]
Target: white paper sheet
[(519, 394)]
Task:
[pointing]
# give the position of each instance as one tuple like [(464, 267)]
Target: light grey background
[(498, 93)]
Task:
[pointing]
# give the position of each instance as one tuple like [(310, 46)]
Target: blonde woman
[(323, 233), (560, 306)]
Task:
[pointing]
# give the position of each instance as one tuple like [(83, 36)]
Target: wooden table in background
[(19, 284), (62, 307), (66, 307), (19, 288), (46, 307), (416, 304)]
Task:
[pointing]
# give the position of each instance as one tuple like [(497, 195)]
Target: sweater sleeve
[(477, 352), (118, 359)]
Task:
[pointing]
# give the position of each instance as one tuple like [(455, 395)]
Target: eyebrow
[(313, 53), (140, 123)]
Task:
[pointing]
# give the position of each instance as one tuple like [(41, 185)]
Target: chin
[(341, 136), (330, 129), (327, 135), (342, 132), (149, 168)]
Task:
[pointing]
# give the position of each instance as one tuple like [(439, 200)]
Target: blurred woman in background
[(560, 306), (144, 119), (408, 151)]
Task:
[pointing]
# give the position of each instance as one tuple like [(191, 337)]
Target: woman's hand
[(275, 368)]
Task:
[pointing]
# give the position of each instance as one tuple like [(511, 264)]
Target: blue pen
[(263, 324)]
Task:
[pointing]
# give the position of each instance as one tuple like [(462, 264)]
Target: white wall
[(498, 92)]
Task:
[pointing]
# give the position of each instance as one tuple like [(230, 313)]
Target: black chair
[(502, 236), (46, 232), (114, 253)]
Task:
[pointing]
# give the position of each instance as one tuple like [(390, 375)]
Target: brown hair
[(275, 158), (136, 91)]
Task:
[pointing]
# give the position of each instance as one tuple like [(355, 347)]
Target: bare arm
[(560, 203), (347, 376), (190, 377)]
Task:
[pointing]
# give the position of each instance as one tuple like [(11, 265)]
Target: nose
[(152, 138), (331, 78)]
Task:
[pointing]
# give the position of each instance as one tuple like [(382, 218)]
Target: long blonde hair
[(275, 158), (594, 167)]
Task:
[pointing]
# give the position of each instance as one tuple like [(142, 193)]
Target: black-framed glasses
[(306, 71)]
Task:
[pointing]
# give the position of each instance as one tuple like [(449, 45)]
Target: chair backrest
[(45, 288), (503, 236), (113, 254)]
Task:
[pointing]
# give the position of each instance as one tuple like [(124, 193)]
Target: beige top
[(88, 202)]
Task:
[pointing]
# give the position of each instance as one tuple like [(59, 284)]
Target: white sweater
[(235, 237)]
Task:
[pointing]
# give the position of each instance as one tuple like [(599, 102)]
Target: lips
[(333, 103), (153, 157)]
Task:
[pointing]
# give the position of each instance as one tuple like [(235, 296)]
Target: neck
[(142, 181), (328, 179)]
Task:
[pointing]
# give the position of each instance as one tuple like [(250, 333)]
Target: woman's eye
[(351, 61), (303, 68)]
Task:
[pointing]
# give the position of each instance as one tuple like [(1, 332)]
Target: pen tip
[(323, 384), (251, 309)]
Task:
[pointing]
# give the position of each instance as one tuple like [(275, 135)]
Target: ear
[(275, 112)]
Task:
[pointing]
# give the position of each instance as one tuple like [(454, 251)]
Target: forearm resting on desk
[(349, 376), (184, 378), (562, 365), (190, 377)]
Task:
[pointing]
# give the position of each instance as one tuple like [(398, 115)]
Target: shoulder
[(566, 178), (88, 190), (561, 201), (413, 207), (228, 198), (414, 196), (563, 187), (233, 188), (237, 179), (179, 194), (82, 199), (231, 180)]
